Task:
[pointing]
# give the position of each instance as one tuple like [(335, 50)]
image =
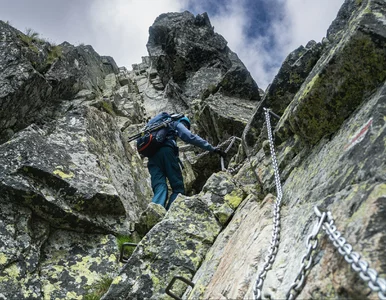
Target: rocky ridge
[(71, 186)]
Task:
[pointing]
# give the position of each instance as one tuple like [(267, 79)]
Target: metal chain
[(231, 143), (233, 170), (326, 222), (307, 260), (272, 251), (367, 274), (229, 140)]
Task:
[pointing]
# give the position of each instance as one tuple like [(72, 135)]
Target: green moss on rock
[(234, 198), (108, 108), (335, 92)]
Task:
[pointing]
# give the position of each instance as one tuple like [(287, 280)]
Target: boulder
[(74, 170), (153, 214), (74, 263)]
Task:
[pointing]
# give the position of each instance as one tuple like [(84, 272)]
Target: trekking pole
[(222, 164)]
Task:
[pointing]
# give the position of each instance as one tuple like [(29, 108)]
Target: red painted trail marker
[(359, 135)]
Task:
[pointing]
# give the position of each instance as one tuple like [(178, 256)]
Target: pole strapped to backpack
[(155, 127)]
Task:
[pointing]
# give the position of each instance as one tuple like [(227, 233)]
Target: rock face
[(70, 185), (183, 45), (41, 75), (178, 244), (190, 69), (330, 146), (282, 90), (358, 61)]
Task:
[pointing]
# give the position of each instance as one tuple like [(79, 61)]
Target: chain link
[(307, 260), (229, 140), (360, 266), (327, 223), (235, 169), (272, 251)]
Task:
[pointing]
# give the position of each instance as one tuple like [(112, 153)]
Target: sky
[(261, 32)]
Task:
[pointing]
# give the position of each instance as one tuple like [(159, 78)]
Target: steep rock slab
[(345, 175), (175, 246), (128, 103), (342, 78), (39, 262), (154, 97), (178, 244), (76, 174), (230, 265), (80, 68), (23, 90), (221, 117), (348, 11), (222, 196)]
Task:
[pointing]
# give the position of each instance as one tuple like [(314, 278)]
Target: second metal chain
[(327, 223), (307, 260), (367, 274), (229, 140)]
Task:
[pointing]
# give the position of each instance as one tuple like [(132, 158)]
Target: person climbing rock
[(165, 163)]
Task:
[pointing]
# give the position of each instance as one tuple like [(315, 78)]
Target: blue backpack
[(154, 135)]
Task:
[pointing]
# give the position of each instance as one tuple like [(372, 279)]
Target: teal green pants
[(165, 164)]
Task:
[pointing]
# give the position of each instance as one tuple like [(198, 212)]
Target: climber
[(166, 164)]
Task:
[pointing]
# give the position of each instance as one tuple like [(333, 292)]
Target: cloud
[(309, 19), (264, 32), (121, 27), (261, 32)]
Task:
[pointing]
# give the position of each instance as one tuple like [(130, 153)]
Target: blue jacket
[(188, 137)]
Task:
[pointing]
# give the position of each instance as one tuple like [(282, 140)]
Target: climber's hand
[(220, 152)]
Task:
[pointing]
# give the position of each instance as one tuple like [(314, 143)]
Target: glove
[(220, 152)]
